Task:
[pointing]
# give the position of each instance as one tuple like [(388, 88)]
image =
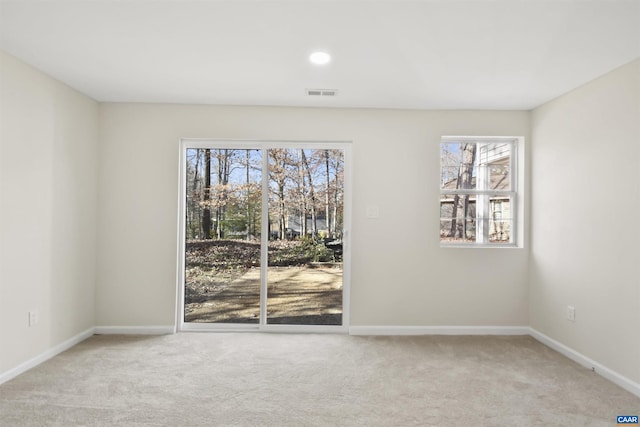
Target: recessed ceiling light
[(320, 58)]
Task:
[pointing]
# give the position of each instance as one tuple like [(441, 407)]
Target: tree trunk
[(469, 159), (195, 174), (194, 214), (464, 181), (454, 214), (326, 198), (312, 196), (278, 174), (222, 199), (282, 212), (335, 197), (206, 212), (335, 214), (302, 186), (248, 211)]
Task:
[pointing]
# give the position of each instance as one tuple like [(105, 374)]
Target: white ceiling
[(432, 54)]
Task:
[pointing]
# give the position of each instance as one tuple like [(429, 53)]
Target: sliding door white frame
[(188, 143)]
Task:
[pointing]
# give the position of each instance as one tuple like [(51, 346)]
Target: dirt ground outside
[(222, 282), (308, 295), (301, 295)]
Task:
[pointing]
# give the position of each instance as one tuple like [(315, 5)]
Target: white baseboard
[(438, 330), (43, 357), (134, 330), (583, 360)]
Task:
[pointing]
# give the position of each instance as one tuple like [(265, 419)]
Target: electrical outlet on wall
[(373, 211), (571, 313), (33, 317)]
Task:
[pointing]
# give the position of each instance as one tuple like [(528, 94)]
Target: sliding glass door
[(306, 224), (223, 212), (263, 235)]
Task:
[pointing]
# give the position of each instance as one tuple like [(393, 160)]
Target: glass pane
[(475, 218), (306, 194), (475, 166), (457, 218), (223, 220), (500, 221), (499, 177), (500, 231), (458, 166)]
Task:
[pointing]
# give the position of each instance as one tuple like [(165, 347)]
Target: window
[(478, 191), (264, 235)]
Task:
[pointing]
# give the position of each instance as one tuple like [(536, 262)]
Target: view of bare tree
[(224, 224)]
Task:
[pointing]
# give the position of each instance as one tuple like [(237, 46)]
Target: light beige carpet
[(251, 379)]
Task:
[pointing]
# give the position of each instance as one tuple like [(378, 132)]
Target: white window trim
[(516, 193)]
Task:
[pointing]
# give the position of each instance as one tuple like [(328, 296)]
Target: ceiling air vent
[(322, 92)]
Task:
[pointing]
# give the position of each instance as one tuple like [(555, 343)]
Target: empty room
[(319, 212)]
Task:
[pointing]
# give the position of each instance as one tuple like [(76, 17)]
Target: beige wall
[(400, 274), (124, 191), (48, 181), (585, 233)]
